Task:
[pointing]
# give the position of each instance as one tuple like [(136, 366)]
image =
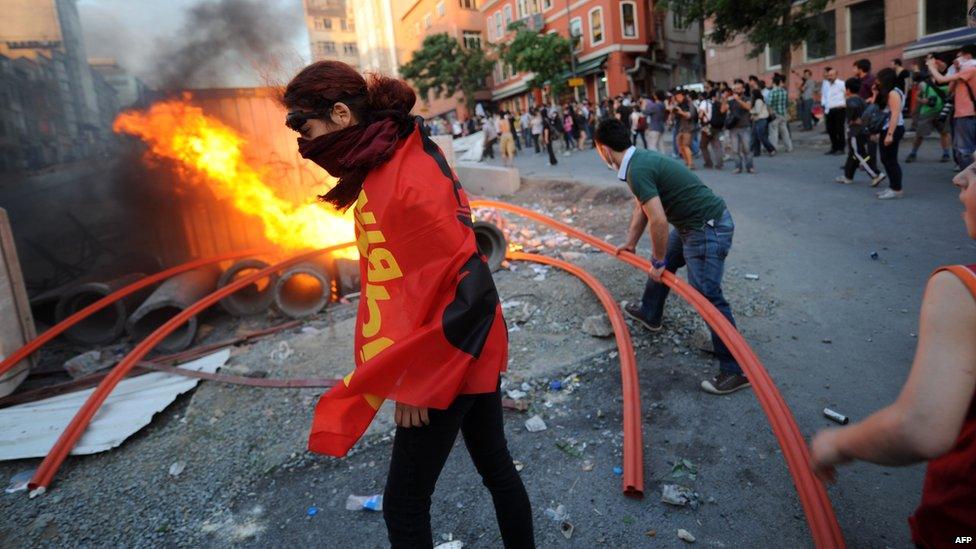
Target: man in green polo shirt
[(667, 192)]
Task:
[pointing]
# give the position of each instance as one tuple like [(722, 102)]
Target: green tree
[(444, 67), (781, 24), (547, 56)]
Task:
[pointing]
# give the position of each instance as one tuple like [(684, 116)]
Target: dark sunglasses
[(297, 119)]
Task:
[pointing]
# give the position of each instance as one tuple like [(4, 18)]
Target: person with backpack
[(713, 114), (857, 134), (638, 125), (890, 99), (963, 86), (934, 112)]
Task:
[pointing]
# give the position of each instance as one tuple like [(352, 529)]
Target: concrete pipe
[(167, 301), (254, 298), (106, 325), (491, 243), (347, 275), (303, 290)]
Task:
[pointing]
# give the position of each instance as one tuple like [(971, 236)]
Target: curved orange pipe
[(64, 325), (59, 452), (813, 496), (633, 477)]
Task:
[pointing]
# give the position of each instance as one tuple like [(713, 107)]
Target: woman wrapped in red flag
[(429, 333)]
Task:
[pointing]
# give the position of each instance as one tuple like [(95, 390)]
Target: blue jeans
[(704, 251), (760, 137), (964, 140)]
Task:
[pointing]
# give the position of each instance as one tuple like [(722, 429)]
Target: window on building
[(546, 5), (499, 32), (576, 33), (521, 9), (323, 23), (428, 21), (596, 26), (827, 45), (628, 19), (472, 39), (347, 24), (468, 4), (325, 48), (772, 58), (867, 24), (508, 15), (440, 9), (678, 22), (349, 48), (943, 15)]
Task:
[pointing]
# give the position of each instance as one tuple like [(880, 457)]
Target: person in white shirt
[(835, 109)]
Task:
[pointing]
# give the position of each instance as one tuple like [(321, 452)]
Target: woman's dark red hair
[(374, 97)]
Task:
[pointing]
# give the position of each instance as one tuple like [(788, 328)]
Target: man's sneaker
[(633, 311), (945, 158), (751, 170), (725, 383), (737, 170), (889, 194), (843, 180), (910, 158), (876, 180)]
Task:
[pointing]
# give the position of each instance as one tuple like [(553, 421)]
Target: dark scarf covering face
[(350, 154)]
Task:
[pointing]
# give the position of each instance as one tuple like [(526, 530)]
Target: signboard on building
[(576, 82)]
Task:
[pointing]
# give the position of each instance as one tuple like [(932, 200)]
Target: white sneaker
[(889, 194), (843, 180), (878, 179), (567, 153)]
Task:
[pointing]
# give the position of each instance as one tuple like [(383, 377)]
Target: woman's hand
[(407, 416), (889, 139), (825, 455)]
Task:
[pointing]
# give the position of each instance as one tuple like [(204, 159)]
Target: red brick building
[(613, 54), (879, 30)]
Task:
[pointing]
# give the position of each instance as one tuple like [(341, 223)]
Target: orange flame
[(206, 147)]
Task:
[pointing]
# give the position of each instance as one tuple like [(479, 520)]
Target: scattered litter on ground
[(88, 363), (685, 535), (571, 447), (310, 330), (751, 276), (364, 503), (312, 511), (518, 465), (684, 468), (587, 465), (520, 405), (827, 340), (598, 326), (679, 496), (516, 394), (559, 514), (874, 256), (456, 544), (650, 533), (556, 385), (281, 353), (535, 424), (19, 481), (176, 468), (567, 529), (618, 470)]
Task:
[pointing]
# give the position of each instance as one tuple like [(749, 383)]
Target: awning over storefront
[(510, 92), (940, 42), (586, 68)]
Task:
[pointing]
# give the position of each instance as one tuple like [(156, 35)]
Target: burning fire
[(207, 148)]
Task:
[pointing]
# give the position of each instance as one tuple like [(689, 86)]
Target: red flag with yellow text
[(430, 323)]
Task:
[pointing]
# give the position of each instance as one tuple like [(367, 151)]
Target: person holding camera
[(739, 123), (686, 118), (962, 84), (934, 109)]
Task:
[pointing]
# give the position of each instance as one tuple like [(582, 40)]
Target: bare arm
[(636, 230), (894, 105), (654, 211), (925, 420)]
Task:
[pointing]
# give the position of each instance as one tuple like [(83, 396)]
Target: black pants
[(857, 151), (872, 148), (889, 157), (419, 454), (489, 148), (835, 128), (535, 141), (637, 133), (552, 155)]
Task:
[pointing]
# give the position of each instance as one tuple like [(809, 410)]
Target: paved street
[(810, 240)]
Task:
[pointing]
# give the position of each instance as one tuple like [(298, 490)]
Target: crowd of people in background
[(865, 118)]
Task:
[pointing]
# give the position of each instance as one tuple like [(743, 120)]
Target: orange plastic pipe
[(813, 496), (633, 477), (122, 293), (59, 452)]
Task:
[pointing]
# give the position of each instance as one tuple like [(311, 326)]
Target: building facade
[(377, 43), (129, 90), (48, 34), (415, 20), (613, 40), (878, 30), (332, 31)]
